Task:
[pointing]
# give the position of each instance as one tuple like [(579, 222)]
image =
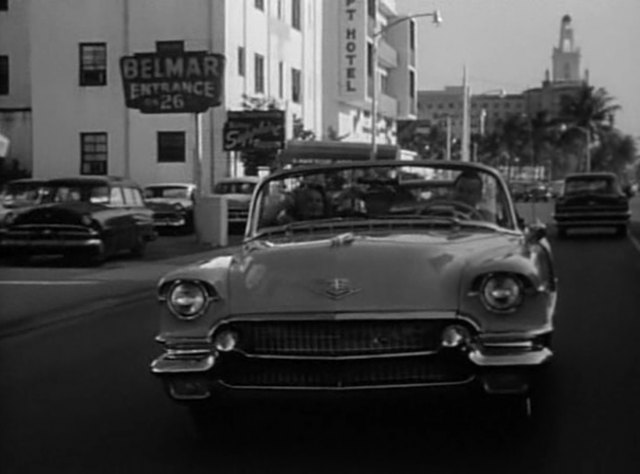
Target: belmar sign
[(184, 82)]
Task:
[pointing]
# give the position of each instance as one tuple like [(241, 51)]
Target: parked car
[(540, 192), (17, 196), (238, 192), (327, 296), (172, 205), (84, 218), (592, 200), (557, 188)]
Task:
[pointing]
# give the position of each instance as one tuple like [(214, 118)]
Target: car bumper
[(45, 246), (499, 368), (170, 223)]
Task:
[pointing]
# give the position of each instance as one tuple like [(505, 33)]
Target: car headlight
[(86, 220), (178, 207), (187, 299), (9, 218), (501, 292)]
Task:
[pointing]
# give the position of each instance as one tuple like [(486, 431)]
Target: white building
[(351, 26), (80, 122), (15, 86)]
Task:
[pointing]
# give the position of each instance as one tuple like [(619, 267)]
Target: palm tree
[(588, 115)]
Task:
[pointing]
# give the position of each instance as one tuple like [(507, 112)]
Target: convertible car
[(86, 219), (356, 278)]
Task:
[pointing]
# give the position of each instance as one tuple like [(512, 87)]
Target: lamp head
[(437, 17)]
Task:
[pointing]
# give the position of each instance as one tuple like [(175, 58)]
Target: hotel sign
[(184, 82), (353, 49)]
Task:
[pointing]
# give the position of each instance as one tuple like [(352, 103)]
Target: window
[(93, 64), (4, 75), (412, 35), (280, 10), (371, 8), (259, 4), (171, 147), (296, 85), (412, 84), (241, 61), (116, 198), (370, 59), (4, 5), (93, 153), (133, 197), (170, 47), (259, 73), (296, 14), (281, 79)]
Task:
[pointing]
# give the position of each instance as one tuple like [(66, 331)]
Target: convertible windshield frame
[(257, 228)]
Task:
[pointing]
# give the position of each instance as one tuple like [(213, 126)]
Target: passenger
[(467, 188), (309, 202)]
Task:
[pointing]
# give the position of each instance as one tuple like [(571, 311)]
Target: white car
[(238, 192)]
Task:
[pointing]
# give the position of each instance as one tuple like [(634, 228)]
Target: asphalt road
[(77, 396)]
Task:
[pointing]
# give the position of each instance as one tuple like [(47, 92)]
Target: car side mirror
[(536, 232)]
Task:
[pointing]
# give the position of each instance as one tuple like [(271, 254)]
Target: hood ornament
[(335, 288)]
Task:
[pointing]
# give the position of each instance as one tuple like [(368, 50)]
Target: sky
[(508, 44)]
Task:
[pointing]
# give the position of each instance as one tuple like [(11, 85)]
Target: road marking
[(635, 242), (49, 282)]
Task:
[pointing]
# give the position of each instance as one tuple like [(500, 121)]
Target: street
[(77, 396)]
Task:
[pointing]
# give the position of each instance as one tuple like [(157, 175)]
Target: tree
[(587, 115)]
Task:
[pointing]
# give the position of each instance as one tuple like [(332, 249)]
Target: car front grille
[(358, 373), (337, 338)]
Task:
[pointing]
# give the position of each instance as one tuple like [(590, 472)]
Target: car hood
[(406, 272), (238, 200), (163, 203), (62, 213)]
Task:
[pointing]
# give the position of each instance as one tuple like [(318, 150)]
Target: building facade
[(15, 81), (444, 108), (272, 51), (352, 26)]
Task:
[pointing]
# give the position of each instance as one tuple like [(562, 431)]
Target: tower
[(566, 56)]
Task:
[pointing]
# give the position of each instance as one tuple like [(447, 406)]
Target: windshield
[(21, 192), (77, 193), (595, 185), (175, 192), (382, 193)]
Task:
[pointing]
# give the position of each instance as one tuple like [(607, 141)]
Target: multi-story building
[(15, 81), (348, 69), (444, 108), (80, 123)]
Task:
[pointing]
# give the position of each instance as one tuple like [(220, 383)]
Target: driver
[(467, 188)]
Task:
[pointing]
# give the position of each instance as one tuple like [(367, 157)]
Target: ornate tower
[(566, 56)]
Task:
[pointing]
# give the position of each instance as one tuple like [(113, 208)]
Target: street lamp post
[(437, 19), (587, 136)]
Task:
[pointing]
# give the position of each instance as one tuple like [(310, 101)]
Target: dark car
[(592, 200), (19, 195), (172, 205), (84, 218)]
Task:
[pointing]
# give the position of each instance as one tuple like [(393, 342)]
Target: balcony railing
[(387, 55)]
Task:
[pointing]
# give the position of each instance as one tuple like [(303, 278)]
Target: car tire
[(621, 231)]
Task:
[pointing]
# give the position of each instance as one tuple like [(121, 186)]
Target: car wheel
[(621, 231)]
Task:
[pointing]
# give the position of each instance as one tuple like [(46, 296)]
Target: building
[(348, 68), (565, 78), (15, 83), (444, 109), (80, 124)]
